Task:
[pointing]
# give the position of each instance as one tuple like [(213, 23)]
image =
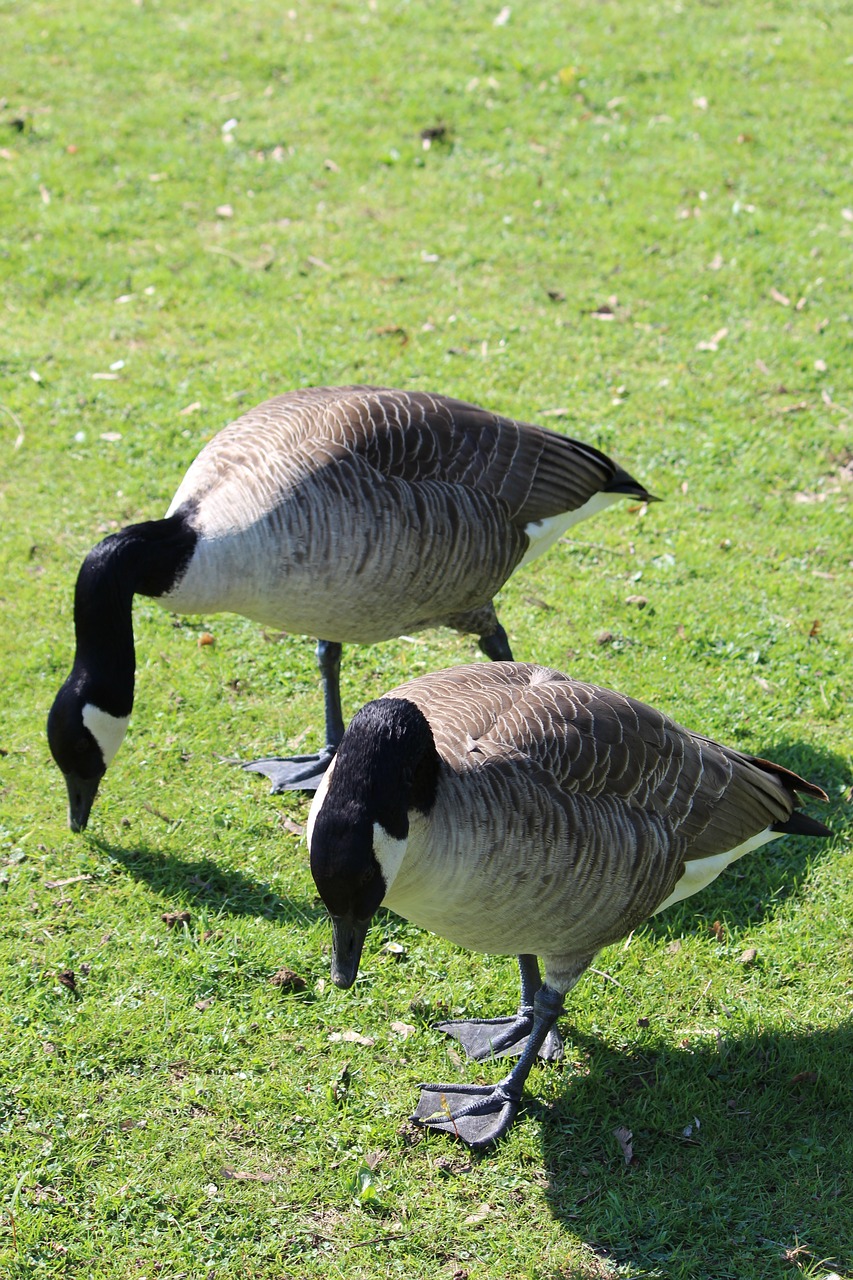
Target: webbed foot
[(293, 773), (475, 1114), (501, 1037)]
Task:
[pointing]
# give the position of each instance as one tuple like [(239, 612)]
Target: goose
[(516, 811), (351, 514)]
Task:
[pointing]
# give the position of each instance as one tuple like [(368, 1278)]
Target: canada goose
[(346, 513), (516, 811)]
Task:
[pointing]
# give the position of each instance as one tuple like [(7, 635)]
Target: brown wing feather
[(412, 436), (592, 743)]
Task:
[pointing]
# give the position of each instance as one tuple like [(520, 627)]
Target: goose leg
[(505, 1037), (304, 773), (480, 1114)]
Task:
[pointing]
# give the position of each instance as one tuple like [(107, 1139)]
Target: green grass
[(682, 164)]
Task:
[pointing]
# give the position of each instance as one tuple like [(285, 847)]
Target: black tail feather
[(800, 824)]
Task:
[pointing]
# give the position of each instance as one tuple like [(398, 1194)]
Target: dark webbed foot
[(480, 1114), (501, 1037), (475, 1114), (294, 773)]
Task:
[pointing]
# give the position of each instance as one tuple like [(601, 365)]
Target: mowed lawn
[(631, 222)]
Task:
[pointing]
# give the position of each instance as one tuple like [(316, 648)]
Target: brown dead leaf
[(780, 298), (201, 1005), (224, 211), (556, 295), (623, 1136), (639, 601), (804, 1077), (815, 629), (713, 342), (351, 1037), (60, 884), (794, 408), (716, 262), (604, 637), (404, 1029), (718, 931), (748, 957), (173, 918), (190, 408), (205, 638), (295, 828), (245, 1175), (387, 330), (68, 979), (480, 1216), (680, 631), (288, 980), (674, 947)]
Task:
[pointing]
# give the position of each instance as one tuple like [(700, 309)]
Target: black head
[(82, 740), (385, 766)]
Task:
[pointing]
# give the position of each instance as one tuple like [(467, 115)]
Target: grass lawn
[(632, 222)]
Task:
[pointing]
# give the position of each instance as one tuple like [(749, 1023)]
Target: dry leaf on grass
[(245, 1175), (288, 980), (404, 1029), (780, 298), (60, 884), (173, 918), (351, 1037), (623, 1136), (712, 343)]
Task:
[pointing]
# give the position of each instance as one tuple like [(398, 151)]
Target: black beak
[(348, 936), (81, 797)]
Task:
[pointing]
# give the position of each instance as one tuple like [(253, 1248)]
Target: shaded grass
[(673, 163)]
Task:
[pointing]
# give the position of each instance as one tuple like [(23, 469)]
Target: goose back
[(568, 813), (355, 513)]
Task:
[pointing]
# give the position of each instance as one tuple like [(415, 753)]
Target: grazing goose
[(515, 811), (345, 513)]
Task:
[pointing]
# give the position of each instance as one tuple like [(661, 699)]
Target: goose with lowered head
[(352, 514), (516, 811)]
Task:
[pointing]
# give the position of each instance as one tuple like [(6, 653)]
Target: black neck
[(145, 559), (390, 755)]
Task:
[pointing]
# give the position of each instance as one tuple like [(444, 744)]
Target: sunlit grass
[(634, 220)]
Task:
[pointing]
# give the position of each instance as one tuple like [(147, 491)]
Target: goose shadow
[(742, 1149), (204, 883)]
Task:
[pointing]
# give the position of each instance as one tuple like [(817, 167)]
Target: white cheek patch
[(108, 731), (702, 871), (544, 533), (389, 853), (318, 801)]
